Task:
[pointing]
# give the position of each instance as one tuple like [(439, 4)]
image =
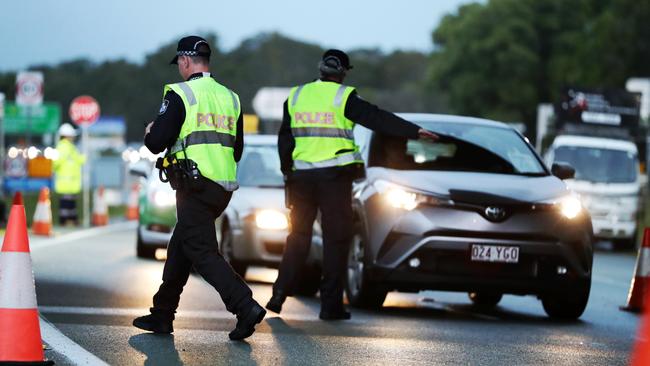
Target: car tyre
[(228, 252), (624, 244), (309, 281), (142, 250), (361, 292), (569, 305), (485, 299)]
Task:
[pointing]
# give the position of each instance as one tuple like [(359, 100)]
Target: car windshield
[(462, 147), (599, 165), (260, 167)]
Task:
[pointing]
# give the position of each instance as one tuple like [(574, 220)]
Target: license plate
[(495, 253)]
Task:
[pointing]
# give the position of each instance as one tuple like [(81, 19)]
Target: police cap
[(190, 46)]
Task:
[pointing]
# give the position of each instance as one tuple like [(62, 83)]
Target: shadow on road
[(159, 348)]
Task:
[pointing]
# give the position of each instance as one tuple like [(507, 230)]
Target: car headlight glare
[(570, 207), (163, 198), (400, 198), (271, 220)]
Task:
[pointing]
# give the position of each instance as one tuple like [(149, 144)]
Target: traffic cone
[(641, 350), (635, 298), (132, 212), (20, 332), (100, 209), (43, 215)]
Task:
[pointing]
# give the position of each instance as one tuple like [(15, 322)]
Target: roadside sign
[(29, 88), (84, 110), (38, 120), (268, 102)]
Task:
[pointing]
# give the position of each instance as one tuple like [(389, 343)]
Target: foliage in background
[(395, 81), (500, 59)]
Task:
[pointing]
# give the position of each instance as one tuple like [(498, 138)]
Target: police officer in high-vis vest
[(320, 159), (200, 126), (67, 174)]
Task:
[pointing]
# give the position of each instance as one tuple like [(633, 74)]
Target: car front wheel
[(142, 250), (570, 305), (228, 252), (361, 292)]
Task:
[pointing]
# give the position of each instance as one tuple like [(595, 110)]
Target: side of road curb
[(81, 234)]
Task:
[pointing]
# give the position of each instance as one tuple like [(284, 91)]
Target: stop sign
[(84, 110)]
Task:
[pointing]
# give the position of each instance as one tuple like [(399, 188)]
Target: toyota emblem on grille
[(495, 213)]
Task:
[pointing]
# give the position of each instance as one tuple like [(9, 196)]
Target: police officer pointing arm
[(320, 159), (200, 126)]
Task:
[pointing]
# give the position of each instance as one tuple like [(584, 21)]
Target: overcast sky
[(51, 31)]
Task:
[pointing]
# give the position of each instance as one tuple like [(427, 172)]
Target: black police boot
[(340, 314), (276, 301), (246, 322), (155, 322)]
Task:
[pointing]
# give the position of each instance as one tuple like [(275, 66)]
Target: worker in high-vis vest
[(319, 159), (67, 175), (200, 126)]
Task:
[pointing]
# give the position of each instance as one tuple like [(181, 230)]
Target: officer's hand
[(148, 128), (427, 135)]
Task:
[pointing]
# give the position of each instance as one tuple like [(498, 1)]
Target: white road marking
[(80, 234), (134, 312), (67, 347)]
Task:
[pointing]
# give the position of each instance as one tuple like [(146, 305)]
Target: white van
[(608, 180)]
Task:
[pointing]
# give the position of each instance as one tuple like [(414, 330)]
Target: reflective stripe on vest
[(189, 94), (204, 137), (337, 161), (322, 132)]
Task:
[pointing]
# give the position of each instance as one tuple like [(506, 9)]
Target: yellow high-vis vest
[(324, 136), (209, 130), (67, 168)]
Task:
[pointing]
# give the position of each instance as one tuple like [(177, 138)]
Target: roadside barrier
[(132, 211), (43, 215), (638, 287), (100, 208), (20, 332)]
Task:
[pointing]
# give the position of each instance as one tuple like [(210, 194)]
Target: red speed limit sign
[(84, 110)]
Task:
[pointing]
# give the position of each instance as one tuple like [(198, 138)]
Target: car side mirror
[(563, 171)]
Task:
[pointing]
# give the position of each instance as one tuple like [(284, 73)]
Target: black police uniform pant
[(194, 243), (334, 200)]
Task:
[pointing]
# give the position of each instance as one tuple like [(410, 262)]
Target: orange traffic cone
[(100, 209), (43, 215), (20, 332), (635, 298), (132, 212), (641, 350)]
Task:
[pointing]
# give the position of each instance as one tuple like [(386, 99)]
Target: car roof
[(255, 139), (596, 142), (431, 117)]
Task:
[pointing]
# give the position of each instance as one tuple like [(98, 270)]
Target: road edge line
[(66, 347), (82, 234)]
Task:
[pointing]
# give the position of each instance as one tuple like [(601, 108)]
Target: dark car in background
[(476, 211)]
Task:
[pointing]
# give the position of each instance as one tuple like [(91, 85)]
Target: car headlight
[(570, 207), (164, 198), (271, 220), (399, 197)]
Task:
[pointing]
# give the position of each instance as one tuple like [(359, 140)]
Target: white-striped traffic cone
[(639, 285), (20, 332), (132, 212), (100, 208), (42, 224)]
